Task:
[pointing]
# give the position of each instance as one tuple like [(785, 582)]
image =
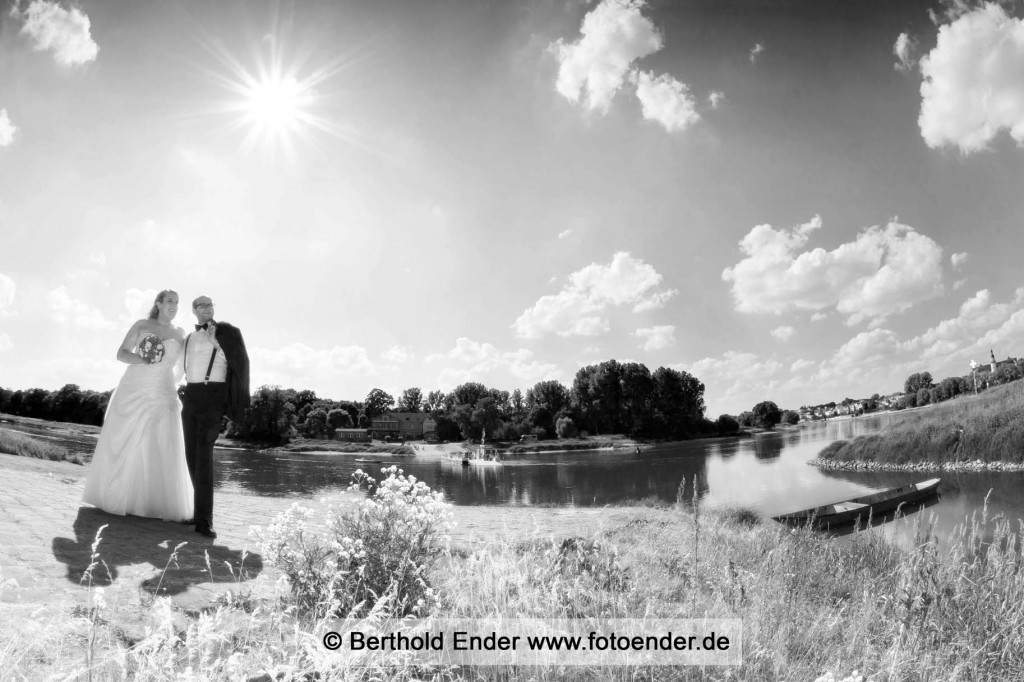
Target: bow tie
[(205, 325)]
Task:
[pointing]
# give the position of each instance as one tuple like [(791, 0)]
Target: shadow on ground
[(132, 540)]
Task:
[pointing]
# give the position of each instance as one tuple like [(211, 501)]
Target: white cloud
[(980, 321), (138, 302), (800, 365), (818, 317), (7, 129), (478, 359), (756, 51), (655, 338), (972, 87), (7, 290), (870, 353), (72, 312), (396, 355), (578, 310), (613, 35), (300, 366), (783, 333), (5, 342), (737, 380), (667, 101), (882, 272), (959, 284), (905, 50), (958, 259), (65, 32), (715, 98), (564, 233)]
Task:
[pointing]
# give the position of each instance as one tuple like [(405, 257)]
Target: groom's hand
[(211, 331)]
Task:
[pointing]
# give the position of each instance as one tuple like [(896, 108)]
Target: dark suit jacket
[(230, 339)]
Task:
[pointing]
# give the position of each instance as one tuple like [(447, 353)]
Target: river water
[(767, 474)]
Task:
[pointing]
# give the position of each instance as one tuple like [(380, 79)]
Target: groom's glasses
[(204, 305)]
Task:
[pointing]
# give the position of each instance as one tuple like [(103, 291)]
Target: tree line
[(605, 398)]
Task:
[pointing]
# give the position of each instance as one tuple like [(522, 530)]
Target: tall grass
[(811, 608), (15, 443), (987, 428)]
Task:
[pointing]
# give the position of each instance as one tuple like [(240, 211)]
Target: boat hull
[(860, 509)]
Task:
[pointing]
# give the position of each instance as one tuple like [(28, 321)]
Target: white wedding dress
[(139, 465)]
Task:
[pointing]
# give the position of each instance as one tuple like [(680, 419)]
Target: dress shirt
[(198, 348)]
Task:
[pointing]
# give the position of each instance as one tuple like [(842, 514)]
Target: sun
[(277, 105), (275, 98)]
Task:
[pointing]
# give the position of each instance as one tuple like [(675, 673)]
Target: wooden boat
[(859, 509)]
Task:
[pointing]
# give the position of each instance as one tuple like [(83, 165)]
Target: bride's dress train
[(139, 465)]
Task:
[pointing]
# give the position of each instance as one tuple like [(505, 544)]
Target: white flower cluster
[(378, 551)]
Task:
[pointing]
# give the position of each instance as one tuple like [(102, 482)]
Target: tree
[(434, 402), (915, 382), (924, 396), (727, 424), (767, 414), (339, 419), (411, 400), (790, 417), (377, 403), (315, 425), (271, 414)]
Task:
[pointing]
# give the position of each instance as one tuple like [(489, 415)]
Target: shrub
[(381, 550), (565, 428)]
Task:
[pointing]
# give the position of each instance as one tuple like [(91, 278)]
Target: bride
[(139, 465)]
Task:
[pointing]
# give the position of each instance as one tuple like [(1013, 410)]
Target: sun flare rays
[(276, 99)]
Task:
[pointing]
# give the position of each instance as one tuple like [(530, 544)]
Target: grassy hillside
[(987, 428)]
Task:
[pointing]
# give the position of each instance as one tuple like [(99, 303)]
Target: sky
[(797, 200)]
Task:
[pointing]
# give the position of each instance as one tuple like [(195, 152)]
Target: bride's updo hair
[(155, 311)]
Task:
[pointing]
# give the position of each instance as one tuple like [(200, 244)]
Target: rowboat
[(859, 509)]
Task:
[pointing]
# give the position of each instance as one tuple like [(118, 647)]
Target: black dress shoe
[(206, 531)]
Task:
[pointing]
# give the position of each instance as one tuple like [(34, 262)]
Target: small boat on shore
[(860, 509)]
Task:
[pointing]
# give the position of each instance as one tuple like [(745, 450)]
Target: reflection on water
[(767, 473)]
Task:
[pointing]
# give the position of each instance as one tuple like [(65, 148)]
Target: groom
[(217, 372)]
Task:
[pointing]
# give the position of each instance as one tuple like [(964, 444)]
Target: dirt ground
[(47, 536)]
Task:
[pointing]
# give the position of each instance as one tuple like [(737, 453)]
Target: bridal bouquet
[(151, 349)]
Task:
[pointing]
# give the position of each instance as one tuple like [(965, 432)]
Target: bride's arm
[(126, 352), (179, 364)]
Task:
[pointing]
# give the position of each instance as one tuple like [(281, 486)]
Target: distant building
[(404, 425), (352, 435)]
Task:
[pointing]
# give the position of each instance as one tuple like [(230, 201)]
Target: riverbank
[(970, 433), (808, 605)]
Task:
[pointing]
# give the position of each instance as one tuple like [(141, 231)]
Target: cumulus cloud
[(980, 321), (72, 312), (869, 353), (884, 271), (716, 98), (579, 309), (957, 260), (64, 32), (613, 35), (800, 365), (564, 233), (7, 129), (469, 360), (654, 338), (783, 333), (972, 87), (818, 317), (756, 51), (665, 100), (905, 49)]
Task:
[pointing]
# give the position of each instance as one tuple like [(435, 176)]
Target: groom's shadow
[(130, 540)]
